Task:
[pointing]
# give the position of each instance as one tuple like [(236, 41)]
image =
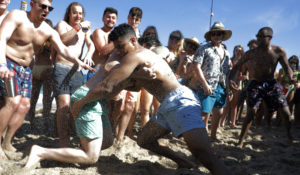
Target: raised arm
[(66, 35)]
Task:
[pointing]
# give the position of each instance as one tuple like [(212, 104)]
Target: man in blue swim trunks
[(262, 85), (212, 65), (180, 108)]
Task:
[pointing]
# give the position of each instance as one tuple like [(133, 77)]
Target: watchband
[(77, 27)]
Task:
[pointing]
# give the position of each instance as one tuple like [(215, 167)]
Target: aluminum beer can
[(10, 86), (23, 5)]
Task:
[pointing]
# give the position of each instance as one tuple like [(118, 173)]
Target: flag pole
[(211, 12)]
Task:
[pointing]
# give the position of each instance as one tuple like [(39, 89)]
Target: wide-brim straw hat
[(218, 26), (192, 40)]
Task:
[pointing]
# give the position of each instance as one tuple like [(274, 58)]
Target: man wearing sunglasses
[(263, 86), (21, 35), (74, 32), (211, 65)]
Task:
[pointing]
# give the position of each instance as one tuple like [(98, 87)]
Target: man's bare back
[(165, 80), (160, 87)]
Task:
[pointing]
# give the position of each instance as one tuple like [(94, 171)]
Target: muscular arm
[(101, 44), (9, 24), (110, 86), (285, 64)]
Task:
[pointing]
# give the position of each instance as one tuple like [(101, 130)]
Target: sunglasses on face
[(173, 37), (263, 36), (216, 33), (43, 6), (192, 46), (150, 33)]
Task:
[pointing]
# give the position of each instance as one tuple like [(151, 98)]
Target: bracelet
[(78, 27), (77, 30)]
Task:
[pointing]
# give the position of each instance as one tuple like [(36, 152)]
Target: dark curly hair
[(123, 31)]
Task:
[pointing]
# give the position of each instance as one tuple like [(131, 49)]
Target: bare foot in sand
[(9, 147), (34, 157), (240, 145), (2, 155)]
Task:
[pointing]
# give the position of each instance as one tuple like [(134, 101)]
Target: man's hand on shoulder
[(145, 72)]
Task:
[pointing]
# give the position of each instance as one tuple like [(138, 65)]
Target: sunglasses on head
[(216, 33), (43, 6), (173, 37)]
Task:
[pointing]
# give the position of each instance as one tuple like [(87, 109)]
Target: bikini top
[(286, 79)]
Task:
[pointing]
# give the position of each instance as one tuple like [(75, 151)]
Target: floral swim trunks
[(269, 91)]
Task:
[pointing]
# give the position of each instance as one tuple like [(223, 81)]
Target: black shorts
[(66, 79), (297, 96)]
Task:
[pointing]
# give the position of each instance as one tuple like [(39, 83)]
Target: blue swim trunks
[(180, 112), (92, 118), (217, 99)]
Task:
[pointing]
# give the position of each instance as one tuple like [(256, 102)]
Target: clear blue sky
[(243, 17)]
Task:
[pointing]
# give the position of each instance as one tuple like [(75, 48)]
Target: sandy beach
[(266, 152)]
